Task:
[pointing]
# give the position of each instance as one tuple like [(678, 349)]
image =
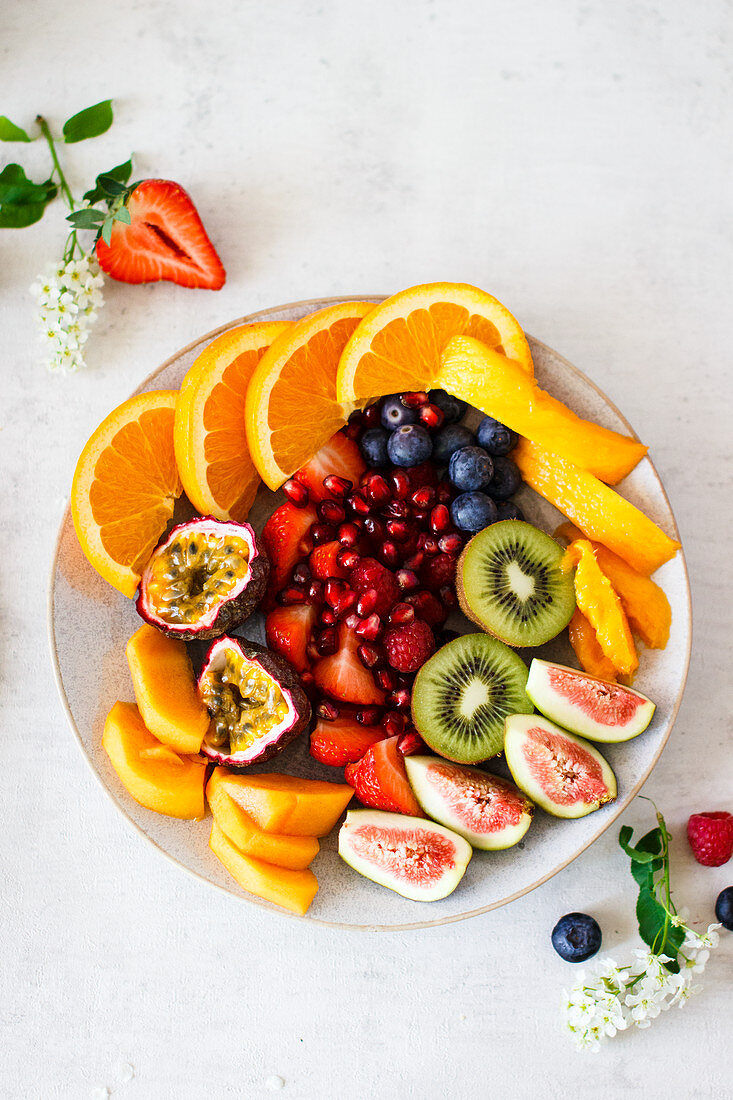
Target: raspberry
[(371, 574), (711, 838), (439, 571), (409, 646)]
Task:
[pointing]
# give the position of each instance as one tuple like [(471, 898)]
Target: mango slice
[(175, 788), (502, 388), (293, 890), (295, 852), (165, 689), (646, 606), (288, 804), (587, 649), (602, 608), (600, 513)]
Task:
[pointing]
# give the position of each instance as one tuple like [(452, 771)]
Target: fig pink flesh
[(604, 702), (418, 856), (564, 770), (483, 805)]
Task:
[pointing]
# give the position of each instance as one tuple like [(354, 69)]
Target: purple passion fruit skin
[(489, 812), (255, 700), (203, 579), (587, 705)]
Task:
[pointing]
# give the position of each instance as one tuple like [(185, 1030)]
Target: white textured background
[(572, 158)]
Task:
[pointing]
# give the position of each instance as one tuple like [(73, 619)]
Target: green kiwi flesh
[(464, 692), (510, 581)]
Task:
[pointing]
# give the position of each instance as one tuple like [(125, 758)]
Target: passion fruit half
[(255, 700), (203, 579)]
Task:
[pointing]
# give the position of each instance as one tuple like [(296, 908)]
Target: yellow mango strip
[(502, 388), (587, 649), (600, 513), (601, 606)]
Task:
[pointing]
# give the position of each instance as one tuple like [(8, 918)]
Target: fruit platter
[(387, 558)]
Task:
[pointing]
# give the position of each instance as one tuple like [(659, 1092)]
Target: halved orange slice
[(125, 487), (218, 474), (291, 408), (399, 345)]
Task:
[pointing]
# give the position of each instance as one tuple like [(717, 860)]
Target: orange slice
[(399, 345), (218, 474), (291, 408), (125, 487)]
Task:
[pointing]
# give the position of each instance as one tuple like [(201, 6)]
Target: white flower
[(68, 295)]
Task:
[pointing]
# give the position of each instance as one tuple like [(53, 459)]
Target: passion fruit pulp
[(203, 579), (255, 701)]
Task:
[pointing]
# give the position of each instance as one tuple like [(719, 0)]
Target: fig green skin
[(288, 679), (517, 732), (232, 612), (571, 717)]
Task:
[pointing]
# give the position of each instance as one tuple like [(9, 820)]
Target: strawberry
[(282, 536), (711, 837), (341, 456), (288, 631), (343, 741), (323, 564), (380, 780), (164, 240), (343, 676)]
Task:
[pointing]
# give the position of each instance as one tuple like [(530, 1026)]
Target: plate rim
[(322, 303)]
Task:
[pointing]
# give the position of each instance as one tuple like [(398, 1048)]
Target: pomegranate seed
[(423, 474), (345, 603), (356, 417), (398, 530), (330, 511), (368, 716), (348, 559), (410, 742), (374, 528), (422, 519), (429, 544), (423, 497), (415, 562), (407, 579), (389, 554), (414, 399), (431, 416), (368, 655), (394, 723), (363, 478), (334, 589), (397, 509), (301, 574), (352, 621), (348, 534), (367, 602), (387, 679), (327, 710), (428, 607), (322, 532), (352, 431), (400, 484), (296, 493), (372, 415), (451, 545), (369, 628), (327, 616), (444, 492), (315, 592), (337, 486), (439, 519), (311, 651), (291, 595), (359, 505), (399, 699), (377, 489), (402, 613), (448, 596)]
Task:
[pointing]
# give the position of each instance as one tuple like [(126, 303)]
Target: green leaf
[(88, 123), (651, 917), (86, 219), (119, 175), (17, 190), (644, 873), (122, 215), (10, 132), (18, 217), (638, 855), (107, 229)]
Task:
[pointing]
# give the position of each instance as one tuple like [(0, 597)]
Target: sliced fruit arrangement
[(286, 803), (165, 689), (293, 890), (380, 779), (204, 578), (416, 858), (587, 648), (562, 773), (598, 709), (602, 608)]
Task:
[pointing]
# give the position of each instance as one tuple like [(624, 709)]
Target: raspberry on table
[(711, 837), (408, 646)]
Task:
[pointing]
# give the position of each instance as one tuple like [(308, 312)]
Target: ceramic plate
[(90, 622)]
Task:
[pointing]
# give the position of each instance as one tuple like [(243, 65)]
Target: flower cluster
[(614, 998), (68, 297)]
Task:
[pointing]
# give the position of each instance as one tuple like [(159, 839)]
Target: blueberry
[(473, 511), (449, 439), (451, 407), (374, 446), (496, 438), (507, 509), (724, 908), (470, 468), (395, 414), (576, 937), (506, 479), (409, 445)]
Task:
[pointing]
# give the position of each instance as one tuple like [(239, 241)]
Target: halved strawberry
[(343, 676), (343, 741), (341, 456), (288, 631), (164, 240), (282, 535), (323, 563), (380, 780)]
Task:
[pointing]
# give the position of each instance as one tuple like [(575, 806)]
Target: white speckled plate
[(89, 624)]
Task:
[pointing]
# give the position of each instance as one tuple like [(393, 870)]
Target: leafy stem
[(66, 190)]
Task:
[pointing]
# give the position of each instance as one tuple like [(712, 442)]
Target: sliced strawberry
[(323, 563), (339, 456), (164, 240), (282, 536), (380, 780), (344, 741), (343, 676), (288, 631)]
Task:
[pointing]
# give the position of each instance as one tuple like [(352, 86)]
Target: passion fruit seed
[(189, 577), (244, 702)]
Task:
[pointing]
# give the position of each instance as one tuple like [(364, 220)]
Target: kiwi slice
[(462, 695), (511, 582)]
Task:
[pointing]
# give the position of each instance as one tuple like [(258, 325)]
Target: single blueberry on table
[(470, 468), (724, 908), (395, 414), (409, 445), (473, 511), (495, 437), (451, 407), (506, 479), (451, 438), (576, 937), (507, 509), (374, 446)]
